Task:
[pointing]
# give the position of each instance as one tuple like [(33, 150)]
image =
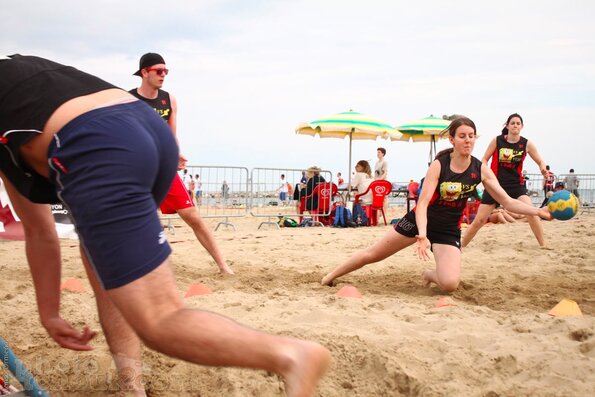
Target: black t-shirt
[(31, 89)]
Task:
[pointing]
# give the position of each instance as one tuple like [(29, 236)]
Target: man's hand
[(66, 336)]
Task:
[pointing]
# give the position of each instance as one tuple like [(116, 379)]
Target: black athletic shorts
[(408, 228), (514, 192)]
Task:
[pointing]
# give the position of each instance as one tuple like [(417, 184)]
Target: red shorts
[(177, 198)]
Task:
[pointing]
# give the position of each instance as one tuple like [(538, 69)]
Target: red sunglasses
[(159, 71)]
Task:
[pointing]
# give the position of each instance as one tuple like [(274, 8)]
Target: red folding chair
[(324, 193), (412, 189), (380, 189)]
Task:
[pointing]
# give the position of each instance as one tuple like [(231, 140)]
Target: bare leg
[(481, 218), (534, 222), (448, 267), (123, 342), (153, 307), (391, 243), (204, 236), (507, 217)]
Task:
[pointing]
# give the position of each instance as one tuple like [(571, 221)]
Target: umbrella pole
[(432, 150), (349, 169)]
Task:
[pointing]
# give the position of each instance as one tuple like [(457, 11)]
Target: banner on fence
[(12, 229)]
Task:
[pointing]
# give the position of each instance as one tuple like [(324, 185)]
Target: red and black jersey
[(507, 161), (450, 198), (161, 104)]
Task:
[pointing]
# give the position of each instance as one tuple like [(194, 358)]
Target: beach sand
[(497, 341)]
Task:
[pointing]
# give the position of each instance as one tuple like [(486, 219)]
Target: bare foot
[(225, 270), (426, 281), (308, 363)]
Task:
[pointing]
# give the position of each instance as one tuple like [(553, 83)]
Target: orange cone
[(445, 301), (197, 289), (349, 291), (73, 284), (566, 307)]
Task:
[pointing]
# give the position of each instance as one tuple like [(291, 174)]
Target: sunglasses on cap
[(159, 71)]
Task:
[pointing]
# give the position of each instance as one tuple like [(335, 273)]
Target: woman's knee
[(450, 283)]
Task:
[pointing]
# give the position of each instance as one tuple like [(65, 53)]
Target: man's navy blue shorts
[(112, 167)]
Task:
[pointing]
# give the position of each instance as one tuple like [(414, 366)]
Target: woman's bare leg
[(391, 243), (534, 222), (448, 268), (483, 212)]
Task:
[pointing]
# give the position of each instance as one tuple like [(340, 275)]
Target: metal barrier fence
[(266, 193), (220, 192), (233, 192), (586, 187)]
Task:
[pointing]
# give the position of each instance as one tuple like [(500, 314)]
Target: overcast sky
[(245, 73)]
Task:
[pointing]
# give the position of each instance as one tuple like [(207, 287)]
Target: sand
[(497, 341)]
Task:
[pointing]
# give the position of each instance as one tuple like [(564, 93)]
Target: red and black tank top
[(507, 161), (161, 104), (450, 198)]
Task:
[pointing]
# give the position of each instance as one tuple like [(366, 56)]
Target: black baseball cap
[(148, 60)]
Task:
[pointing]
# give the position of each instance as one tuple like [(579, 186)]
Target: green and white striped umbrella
[(424, 130), (349, 124)]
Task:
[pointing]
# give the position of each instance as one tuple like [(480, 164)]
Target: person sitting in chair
[(314, 179), (361, 181)]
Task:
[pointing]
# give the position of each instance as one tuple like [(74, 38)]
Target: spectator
[(340, 179), (361, 181), (187, 179), (304, 178), (314, 179), (571, 182), (525, 178), (500, 215), (225, 190), (381, 167), (548, 180), (283, 190)]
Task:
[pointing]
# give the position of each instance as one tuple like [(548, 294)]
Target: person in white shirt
[(381, 167), (187, 179), (362, 180), (283, 190)]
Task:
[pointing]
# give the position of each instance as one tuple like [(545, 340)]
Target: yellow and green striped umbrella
[(352, 124), (424, 130), (349, 124)]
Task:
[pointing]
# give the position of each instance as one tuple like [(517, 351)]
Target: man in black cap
[(152, 70)]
